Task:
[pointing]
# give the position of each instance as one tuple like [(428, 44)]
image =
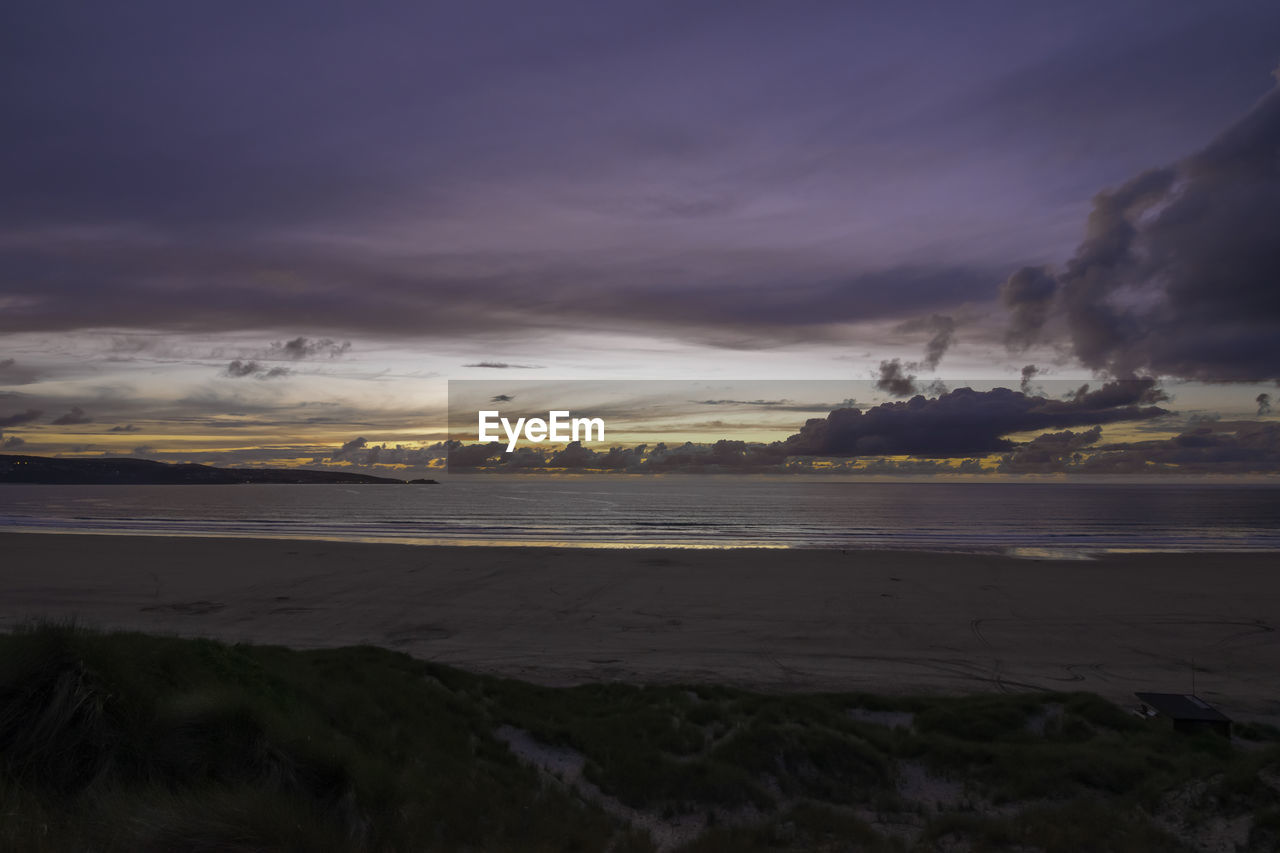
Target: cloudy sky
[(257, 233)]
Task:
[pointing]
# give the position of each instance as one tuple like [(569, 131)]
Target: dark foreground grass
[(132, 742)]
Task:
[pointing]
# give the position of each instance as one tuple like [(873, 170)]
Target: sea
[(1023, 519)]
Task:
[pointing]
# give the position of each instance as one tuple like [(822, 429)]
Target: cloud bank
[(959, 424), (1179, 271)]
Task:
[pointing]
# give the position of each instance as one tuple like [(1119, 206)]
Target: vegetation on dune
[(132, 742)]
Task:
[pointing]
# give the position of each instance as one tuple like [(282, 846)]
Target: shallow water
[(1028, 519)]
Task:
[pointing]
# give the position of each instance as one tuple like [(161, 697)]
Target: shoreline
[(1064, 553), (883, 621)]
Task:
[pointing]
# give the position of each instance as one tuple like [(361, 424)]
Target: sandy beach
[(780, 619)]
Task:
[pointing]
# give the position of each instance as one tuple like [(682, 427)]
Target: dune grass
[(119, 741), (132, 742)]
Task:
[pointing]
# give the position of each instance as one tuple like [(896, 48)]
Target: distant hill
[(43, 469)]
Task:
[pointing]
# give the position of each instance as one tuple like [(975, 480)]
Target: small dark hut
[(1190, 714)]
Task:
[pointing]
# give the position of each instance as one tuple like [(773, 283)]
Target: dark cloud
[(664, 181), (1226, 447), (1049, 452), (124, 428), (1125, 392), (526, 457), (966, 422), (361, 452), (13, 373), (75, 416), (238, 369), (466, 456), (621, 458), (1221, 448), (269, 158), (20, 418), (502, 365), (895, 380), (962, 424), (11, 442), (780, 405), (723, 455), (943, 336), (1028, 295), (300, 348), (501, 398), (942, 329), (492, 293), (1029, 372), (1264, 403), (1178, 271), (346, 450), (574, 455)]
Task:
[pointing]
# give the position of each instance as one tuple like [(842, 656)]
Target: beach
[(873, 621)]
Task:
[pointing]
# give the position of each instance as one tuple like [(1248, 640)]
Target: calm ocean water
[(715, 512)]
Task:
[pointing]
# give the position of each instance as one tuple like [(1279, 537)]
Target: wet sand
[(879, 621)]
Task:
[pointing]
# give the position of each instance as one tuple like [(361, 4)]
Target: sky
[(257, 234)]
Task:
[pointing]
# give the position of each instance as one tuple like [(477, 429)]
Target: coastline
[(877, 621), (1070, 553)]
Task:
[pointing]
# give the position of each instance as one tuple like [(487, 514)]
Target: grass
[(131, 742), (118, 741)]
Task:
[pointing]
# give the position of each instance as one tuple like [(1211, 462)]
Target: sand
[(887, 622)]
